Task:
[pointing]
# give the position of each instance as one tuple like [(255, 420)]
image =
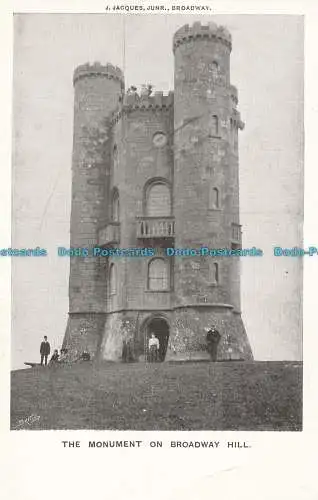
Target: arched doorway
[(160, 328)]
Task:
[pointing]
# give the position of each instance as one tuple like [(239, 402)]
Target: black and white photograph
[(157, 222)]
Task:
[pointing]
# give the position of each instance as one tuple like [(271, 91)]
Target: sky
[(267, 68)]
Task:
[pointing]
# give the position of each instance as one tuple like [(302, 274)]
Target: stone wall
[(84, 333)]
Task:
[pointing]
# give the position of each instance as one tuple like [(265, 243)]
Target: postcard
[(163, 249)]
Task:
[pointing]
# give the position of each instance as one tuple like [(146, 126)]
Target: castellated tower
[(155, 172), (97, 90), (206, 189)]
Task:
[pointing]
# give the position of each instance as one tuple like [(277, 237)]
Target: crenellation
[(97, 69), (159, 101), (197, 31)]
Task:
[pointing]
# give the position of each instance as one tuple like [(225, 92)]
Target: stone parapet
[(96, 69), (132, 102), (158, 100), (199, 31)]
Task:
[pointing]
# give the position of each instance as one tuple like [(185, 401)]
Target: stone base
[(84, 333), (190, 325), (187, 334), (102, 335)]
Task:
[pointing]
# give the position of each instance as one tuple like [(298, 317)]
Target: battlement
[(143, 102), (200, 31), (97, 69)]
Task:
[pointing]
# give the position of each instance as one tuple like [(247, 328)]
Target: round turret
[(98, 91), (206, 189)]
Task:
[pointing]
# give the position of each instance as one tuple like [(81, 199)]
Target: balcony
[(155, 227), (109, 235)]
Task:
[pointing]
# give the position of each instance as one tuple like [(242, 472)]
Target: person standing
[(153, 345), (45, 350), (212, 339), (130, 351), (124, 352)]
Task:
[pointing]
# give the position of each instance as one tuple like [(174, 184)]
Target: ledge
[(205, 304)]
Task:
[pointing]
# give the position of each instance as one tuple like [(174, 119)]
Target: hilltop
[(189, 396)]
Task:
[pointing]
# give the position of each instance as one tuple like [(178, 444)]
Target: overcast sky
[(267, 68)]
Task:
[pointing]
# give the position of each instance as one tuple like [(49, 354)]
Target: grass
[(191, 396)]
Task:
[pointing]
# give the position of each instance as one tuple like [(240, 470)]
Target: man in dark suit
[(212, 339), (45, 350)]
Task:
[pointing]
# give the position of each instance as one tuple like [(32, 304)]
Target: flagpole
[(124, 45)]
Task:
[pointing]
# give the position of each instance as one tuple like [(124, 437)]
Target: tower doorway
[(160, 328)]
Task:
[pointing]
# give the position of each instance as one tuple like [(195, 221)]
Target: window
[(214, 126), (214, 273), (236, 233), (115, 156), (115, 206), (214, 198), (234, 135), (112, 280), (232, 132), (215, 70), (158, 275), (235, 131), (158, 200)]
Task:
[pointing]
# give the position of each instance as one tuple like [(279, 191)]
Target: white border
[(279, 465)]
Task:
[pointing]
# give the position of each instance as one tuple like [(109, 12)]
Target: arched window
[(214, 273), (158, 199), (112, 280), (115, 157), (115, 206), (215, 70), (214, 127), (158, 274), (235, 132), (231, 133), (214, 198)]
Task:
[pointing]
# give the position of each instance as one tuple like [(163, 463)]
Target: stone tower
[(152, 174), (206, 189), (97, 92)]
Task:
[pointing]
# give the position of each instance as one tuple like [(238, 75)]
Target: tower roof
[(201, 31)]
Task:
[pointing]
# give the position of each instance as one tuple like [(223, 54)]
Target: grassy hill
[(187, 396)]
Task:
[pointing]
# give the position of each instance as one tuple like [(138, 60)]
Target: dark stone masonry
[(157, 171)]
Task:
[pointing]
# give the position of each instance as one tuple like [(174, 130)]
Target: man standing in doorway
[(212, 339), (153, 345), (45, 350)]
